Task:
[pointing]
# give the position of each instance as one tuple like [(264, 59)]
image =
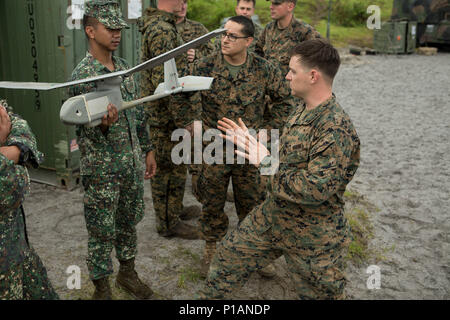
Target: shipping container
[(43, 40)]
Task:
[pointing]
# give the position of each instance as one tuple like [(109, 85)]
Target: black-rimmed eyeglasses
[(232, 37)]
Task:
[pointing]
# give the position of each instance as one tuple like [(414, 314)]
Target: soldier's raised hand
[(248, 146)]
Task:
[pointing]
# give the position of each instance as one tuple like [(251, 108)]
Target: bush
[(210, 12), (350, 13)]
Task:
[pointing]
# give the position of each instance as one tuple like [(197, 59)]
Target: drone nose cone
[(74, 111)]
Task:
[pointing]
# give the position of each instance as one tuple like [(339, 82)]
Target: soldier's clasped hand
[(5, 125)]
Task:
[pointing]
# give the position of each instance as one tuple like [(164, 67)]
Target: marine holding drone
[(112, 134)]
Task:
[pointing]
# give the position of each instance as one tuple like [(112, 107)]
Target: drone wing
[(143, 66), (174, 52), (50, 86)]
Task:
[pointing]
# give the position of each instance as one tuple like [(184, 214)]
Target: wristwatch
[(25, 153)]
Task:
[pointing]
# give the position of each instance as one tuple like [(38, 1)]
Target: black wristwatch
[(25, 153)]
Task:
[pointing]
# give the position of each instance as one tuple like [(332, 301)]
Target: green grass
[(344, 36), (359, 214), (341, 36), (188, 274)]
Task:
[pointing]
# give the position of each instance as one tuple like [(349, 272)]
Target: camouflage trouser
[(254, 244), (27, 281), (194, 170), (113, 206), (213, 185), (168, 183)]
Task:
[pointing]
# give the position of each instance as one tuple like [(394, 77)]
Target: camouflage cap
[(107, 12)]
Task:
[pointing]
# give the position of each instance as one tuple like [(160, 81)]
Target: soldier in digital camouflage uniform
[(246, 8), (279, 37), (111, 166), (302, 217), (190, 30), (159, 35), (241, 82), (22, 274)]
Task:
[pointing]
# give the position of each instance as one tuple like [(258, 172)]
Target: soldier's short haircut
[(253, 1), (89, 22), (248, 29), (320, 54)]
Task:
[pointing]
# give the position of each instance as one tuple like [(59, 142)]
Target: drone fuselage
[(88, 109)]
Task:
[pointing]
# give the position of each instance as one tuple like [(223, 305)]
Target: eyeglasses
[(232, 38)]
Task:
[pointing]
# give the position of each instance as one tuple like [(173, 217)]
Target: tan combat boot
[(190, 212), (128, 280), (210, 250), (102, 289), (184, 231)]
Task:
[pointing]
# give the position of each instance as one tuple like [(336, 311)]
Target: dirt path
[(400, 106)]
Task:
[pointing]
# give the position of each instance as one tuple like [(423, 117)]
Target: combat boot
[(210, 250), (190, 212), (128, 280), (268, 271), (184, 231), (102, 289)]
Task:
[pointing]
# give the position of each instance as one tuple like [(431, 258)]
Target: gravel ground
[(400, 106)]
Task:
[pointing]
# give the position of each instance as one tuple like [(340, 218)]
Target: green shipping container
[(396, 37), (43, 40)]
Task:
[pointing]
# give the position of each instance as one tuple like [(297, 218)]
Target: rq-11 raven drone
[(88, 109)]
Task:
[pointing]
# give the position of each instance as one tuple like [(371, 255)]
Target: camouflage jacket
[(240, 97), (14, 185), (275, 44), (258, 32), (319, 155), (190, 30), (159, 35), (125, 140)]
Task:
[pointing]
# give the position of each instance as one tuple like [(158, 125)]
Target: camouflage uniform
[(302, 217), (159, 35), (22, 274), (190, 30), (239, 97), (274, 44), (112, 173)]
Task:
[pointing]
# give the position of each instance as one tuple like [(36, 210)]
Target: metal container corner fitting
[(43, 41)]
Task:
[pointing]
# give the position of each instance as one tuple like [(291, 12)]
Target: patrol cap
[(107, 12), (281, 1)]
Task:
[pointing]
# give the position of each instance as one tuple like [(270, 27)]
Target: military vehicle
[(432, 17)]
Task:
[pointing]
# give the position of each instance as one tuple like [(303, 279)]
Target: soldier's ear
[(90, 32), (315, 75), (291, 6), (249, 41)]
